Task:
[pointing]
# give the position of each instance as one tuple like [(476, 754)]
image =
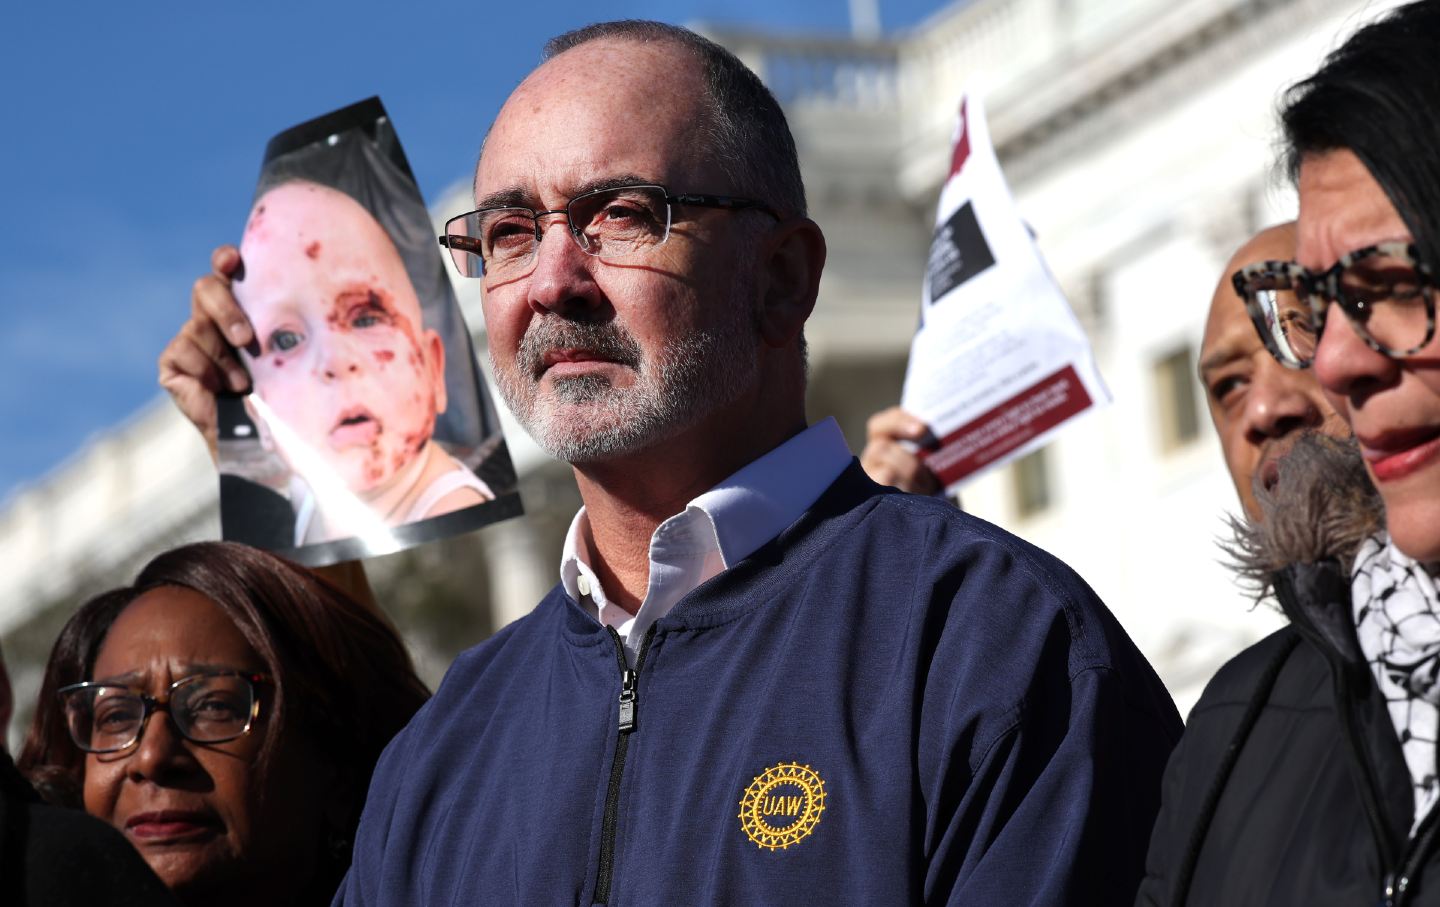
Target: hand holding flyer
[(1000, 361)]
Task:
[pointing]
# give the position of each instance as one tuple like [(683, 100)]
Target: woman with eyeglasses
[(1308, 772), (224, 713)]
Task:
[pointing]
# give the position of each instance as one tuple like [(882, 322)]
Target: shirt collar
[(738, 515)]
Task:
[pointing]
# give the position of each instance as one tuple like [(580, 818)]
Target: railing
[(819, 71), (1000, 39), (1030, 57), (139, 484)]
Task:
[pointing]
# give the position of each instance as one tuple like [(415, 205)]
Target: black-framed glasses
[(614, 224), (1386, 293), (205, 708)]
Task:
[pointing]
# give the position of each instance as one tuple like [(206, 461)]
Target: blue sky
[(133, 135)]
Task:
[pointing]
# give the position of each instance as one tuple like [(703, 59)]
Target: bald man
[(1259, 407)]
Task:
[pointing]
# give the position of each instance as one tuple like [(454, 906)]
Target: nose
[(1346, 365), (1280, 401), (161, 752), (562, 283), (338, 355)]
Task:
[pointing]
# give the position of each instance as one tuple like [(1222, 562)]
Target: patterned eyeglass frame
[(1319, 289), (693, 200), (149, 705)]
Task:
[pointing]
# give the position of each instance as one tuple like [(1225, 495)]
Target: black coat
[(56, 857), (1289, 785)]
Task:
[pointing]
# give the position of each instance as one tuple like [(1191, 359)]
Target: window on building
[(1175, 397), (1031, 477)]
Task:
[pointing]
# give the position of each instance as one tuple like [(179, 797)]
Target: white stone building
[(1138, 137)]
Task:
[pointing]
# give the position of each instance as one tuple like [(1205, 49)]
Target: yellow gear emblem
[(782, 805)]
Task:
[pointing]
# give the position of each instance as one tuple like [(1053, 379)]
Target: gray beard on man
[(586, 419)]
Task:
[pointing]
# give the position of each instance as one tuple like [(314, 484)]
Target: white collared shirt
[(716, 530)]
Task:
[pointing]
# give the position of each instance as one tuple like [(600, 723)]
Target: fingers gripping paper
[(1000, 362)]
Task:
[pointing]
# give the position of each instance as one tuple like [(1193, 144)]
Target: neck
[(628, 497), (391, 498)]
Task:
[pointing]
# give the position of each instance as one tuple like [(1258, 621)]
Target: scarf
[(1397, 620)]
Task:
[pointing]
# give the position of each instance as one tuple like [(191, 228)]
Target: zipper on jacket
[(1397, 884), (1396, 874), (628, 714), (1394, 882)]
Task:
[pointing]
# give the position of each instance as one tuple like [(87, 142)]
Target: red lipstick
[(1397, 454)]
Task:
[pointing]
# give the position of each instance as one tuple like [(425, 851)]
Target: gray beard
[(586, 419)]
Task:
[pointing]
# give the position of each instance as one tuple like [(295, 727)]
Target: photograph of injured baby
[(337, 439), (345, 362)]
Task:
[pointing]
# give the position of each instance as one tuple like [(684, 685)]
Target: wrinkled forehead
[(1229, 334), (175, 627), (606, 107), (1272, 244), (1342, 208)]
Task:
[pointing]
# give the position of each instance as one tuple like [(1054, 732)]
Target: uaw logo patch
[(782, 806)]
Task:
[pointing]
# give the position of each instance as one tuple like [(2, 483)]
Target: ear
[(433, 349), (792, 258)]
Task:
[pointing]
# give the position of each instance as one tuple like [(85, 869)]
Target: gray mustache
[(607, 340)]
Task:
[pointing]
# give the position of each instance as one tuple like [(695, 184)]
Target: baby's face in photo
[(344, 360)]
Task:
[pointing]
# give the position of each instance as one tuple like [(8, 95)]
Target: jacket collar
[(1316, 599)]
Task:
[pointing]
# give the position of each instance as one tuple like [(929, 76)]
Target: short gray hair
[(745, 130)]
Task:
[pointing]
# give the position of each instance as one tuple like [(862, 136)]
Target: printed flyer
[(1000, 362)]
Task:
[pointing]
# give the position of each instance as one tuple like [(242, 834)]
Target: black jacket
[(1289, 786), (56, 857)]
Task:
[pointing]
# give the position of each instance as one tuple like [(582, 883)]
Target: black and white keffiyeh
[(1397, 619)]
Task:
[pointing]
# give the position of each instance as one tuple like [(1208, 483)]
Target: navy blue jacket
[(892, 702)]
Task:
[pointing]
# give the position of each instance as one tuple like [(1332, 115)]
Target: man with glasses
[(1261, 409), (762, 678), (1258, 406)]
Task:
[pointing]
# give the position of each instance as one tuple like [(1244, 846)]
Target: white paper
[(1000, 362)]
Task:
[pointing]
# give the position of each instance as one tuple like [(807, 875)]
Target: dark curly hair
[(339, 668)]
